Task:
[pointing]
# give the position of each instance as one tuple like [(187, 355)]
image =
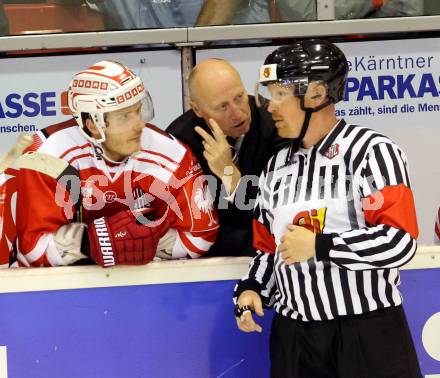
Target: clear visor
[(123, 118), (139, 108), (147, 108), (279, 91)]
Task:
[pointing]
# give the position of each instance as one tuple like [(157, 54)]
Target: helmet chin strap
[(98, 142), (106, 157), (296, 143)]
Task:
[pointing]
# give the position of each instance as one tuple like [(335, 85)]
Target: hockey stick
[(47, 164), (23, 142), (59, 169)]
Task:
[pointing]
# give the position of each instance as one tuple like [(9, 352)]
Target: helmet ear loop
[(316, 109), (324, 104), (296, 143), (100, 124)]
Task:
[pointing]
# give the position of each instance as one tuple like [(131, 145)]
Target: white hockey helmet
[(105, 87)]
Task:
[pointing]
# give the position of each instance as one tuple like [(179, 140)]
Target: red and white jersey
[(437, 228), (163, 177)]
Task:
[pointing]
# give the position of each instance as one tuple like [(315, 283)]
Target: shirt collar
[(330, 138)]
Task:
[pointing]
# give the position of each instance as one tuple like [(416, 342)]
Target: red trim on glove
[(376, 4), (393, 206)]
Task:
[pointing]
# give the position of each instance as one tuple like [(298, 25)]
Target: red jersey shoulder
[(172, 159), (158, 130), (52, 129), (59, 139), (158, 142), (41, 136)]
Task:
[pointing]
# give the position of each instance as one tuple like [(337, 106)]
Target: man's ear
[(90, 127), (317, 93), (195, 108)]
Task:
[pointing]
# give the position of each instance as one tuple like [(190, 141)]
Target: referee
[(333, 221)]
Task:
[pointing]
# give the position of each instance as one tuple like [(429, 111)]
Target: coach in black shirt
[(232, 140)]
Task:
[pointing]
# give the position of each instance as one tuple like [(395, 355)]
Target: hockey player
[(437, 228), (124, 185), (334, 219)]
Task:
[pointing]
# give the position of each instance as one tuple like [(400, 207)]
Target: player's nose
[(272, 108), (140, 124)]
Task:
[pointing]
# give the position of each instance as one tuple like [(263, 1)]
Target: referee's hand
[(297, 244), (246, 321)]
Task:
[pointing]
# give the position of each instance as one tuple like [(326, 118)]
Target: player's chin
[(136, 142), (283, 132), (132, 147)]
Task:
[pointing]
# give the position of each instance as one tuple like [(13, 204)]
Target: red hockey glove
[(121, 239)]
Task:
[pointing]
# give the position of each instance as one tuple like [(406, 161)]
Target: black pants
[(373, 345)]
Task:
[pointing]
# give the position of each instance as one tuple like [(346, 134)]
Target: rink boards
[(171, 319)]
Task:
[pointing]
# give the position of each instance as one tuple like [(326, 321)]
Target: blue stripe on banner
[(174, 330), (169, 330)]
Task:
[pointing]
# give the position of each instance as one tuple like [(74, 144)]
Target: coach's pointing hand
[(218, 154)]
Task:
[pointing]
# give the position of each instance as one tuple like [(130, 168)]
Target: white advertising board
[(30, 94), (393, 87)]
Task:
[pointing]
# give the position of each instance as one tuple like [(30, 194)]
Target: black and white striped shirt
[(352, 189)]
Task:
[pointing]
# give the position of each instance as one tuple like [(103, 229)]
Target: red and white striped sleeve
[(196, 222), (389, 240)]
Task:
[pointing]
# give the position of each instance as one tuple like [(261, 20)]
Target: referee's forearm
[(377, 247)]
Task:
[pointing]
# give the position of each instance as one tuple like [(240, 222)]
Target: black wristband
[(323, 245), (249, 284), (238, 311)]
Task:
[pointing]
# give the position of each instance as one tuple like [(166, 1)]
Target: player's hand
[(246, 322), (121, 239), (217, 151), (297, 244)]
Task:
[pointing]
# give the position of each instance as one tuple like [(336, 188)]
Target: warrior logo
[(332, 151), (205, 203), (104, 242), (110, 196)]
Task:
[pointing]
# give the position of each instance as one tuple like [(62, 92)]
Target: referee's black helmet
[(304, 62)]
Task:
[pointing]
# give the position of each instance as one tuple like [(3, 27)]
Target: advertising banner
[(391, 89), (172, 330)]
